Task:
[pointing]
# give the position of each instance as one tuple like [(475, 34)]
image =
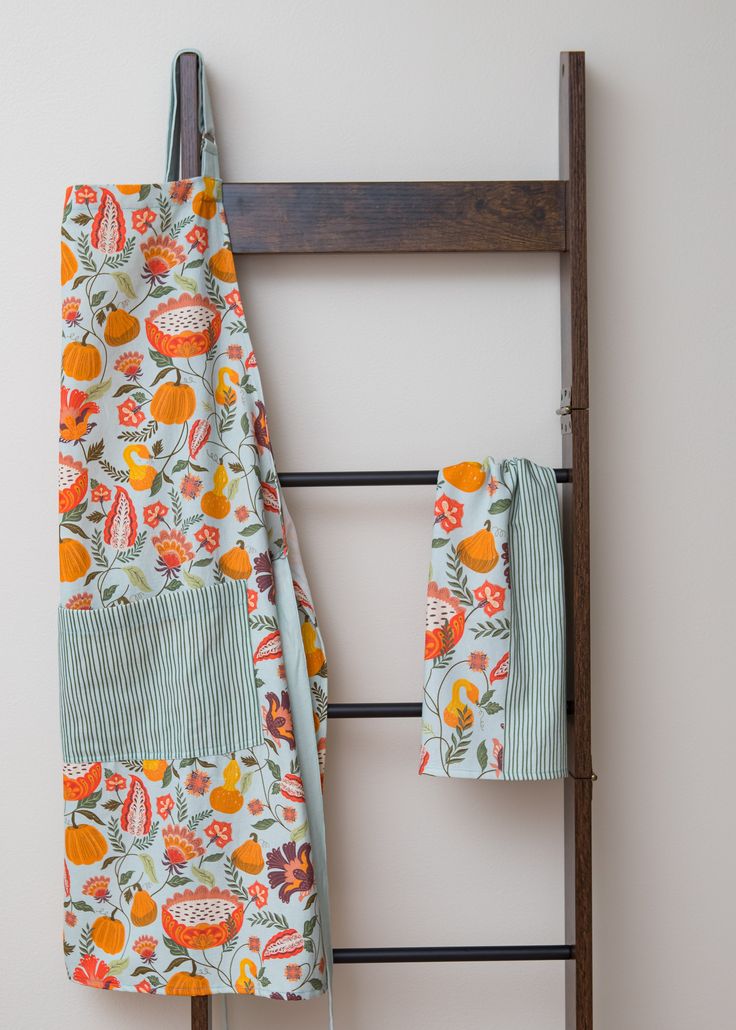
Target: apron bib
[(193, 684)]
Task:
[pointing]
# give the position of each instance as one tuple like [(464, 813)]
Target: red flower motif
[(86, 195), (220, 833), (94, 972), (198, 237), (233, 301), (242, 513), (449, 513), (250, 361), (208, 537), (255, 807), (142, 218), (497, 764), (190, 486), (115, 782), (130, 413), (252, 600), (259, 892), (423, 759), (153, 513), (235, 352), (493, 595), (165, 805), (144, 987), (101, 493)]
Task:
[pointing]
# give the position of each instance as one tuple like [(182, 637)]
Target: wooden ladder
[(528, 216)]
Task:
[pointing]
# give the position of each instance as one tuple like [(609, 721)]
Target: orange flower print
[(219, 833), (70, 919), (85, 195), (145, 946), (101, 493), (250, 361), (174, 550), (161, 254), (198, 237), (278, 718), (154, 513), (293, 972), (478, 661), (142, 219), (165, 806), (130, 413), (252, 600), (197, 783), (70, 311), (94, 972), (129, 364), (80, 602), (180, 191), (74, 415), (115, 782), (242, 513), (208, 537), (235, 352), (255, 807), (254, 943), (289, 814), (97, 887), (190, 487), (448, 513), (180, 846), (234, 302), (493, 485), (144, 987), (291, 870), (493, 595), (259, 892)]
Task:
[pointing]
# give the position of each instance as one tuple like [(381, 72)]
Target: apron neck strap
[(210, 160)]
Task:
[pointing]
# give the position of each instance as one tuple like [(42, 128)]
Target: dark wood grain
[(575, 512), (375, 217), (202, 1013), (191, 155)]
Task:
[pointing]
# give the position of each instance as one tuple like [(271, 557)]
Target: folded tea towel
[(494, 688)]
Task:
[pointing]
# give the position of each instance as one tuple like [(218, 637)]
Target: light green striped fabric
[(535, 716), (165, 677)]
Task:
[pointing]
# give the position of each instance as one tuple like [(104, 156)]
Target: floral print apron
[(192, 670)]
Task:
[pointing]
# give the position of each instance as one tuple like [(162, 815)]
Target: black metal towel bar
[(384, 709), (415, 477), (491, 953)]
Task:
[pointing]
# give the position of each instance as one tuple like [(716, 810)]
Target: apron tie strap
[(206, 123)]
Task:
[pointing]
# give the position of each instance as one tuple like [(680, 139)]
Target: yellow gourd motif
[(249, 856), (214, 502), (140, 477), (468, 476), (245, 984), (225, 394), (478, 552), (222, 265), (315, 655), (457, 711), (205, 202), (143, 910), (236, 563), (121, 327), (228, 798)]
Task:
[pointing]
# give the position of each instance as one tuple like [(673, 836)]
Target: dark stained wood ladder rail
[(413, 217)]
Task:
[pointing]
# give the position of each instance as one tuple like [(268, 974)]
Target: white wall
[(403, 362)]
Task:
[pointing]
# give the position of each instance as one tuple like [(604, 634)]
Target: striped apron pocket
[(164, 677)]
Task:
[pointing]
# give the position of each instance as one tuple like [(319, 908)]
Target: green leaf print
[(457, 580), (137, 578), (499, 506), (203, 875), (482, 755)]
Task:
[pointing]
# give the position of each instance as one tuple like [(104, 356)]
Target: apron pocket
[(165, 677)]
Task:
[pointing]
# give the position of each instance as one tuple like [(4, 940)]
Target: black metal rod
[(499, 953), (384, 709), (416, 477)]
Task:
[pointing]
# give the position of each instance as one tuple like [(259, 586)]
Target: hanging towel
[(494, 687), (192, 669)]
